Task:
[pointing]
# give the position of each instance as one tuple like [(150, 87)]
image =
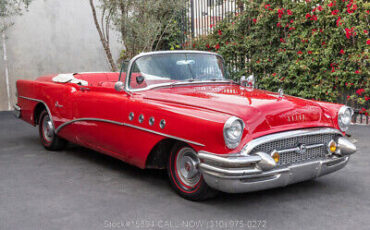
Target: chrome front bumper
[(246, 172), (248, 181), (17, 111)]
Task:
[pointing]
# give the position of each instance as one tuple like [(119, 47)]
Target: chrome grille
[(291, 157)]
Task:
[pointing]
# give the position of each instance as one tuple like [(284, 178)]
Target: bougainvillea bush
[(313, 49)]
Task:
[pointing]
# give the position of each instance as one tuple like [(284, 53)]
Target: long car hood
[(261, 110)]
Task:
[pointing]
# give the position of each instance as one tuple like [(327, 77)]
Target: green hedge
[(313, 49)]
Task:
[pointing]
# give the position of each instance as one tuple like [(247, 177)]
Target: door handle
[(83, 89)]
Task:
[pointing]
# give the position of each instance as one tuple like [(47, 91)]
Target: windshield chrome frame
[(132, 61)]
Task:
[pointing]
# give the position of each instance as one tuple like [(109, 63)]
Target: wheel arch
[(37, 111), (158, 156)]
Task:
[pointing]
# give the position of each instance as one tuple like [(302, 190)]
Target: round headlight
[(233, 132), (344, 117)]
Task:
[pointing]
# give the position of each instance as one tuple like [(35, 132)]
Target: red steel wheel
[(184, 174), (47, 134)]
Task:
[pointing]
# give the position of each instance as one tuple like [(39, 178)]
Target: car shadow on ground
[(111, 163), (301, 189)]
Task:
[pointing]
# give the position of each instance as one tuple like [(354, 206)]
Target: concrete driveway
[(81, 189)]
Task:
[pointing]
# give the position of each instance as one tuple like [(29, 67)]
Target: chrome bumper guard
[(17, 111), (245, 172)]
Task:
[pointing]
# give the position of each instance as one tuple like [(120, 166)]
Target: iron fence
[(201, 16), (360, 116)]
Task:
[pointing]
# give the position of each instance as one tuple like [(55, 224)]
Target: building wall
[(54, 36)]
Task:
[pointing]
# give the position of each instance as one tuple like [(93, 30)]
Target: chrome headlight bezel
[(233, 142), (345, 114)]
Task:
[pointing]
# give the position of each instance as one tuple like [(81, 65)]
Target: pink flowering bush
[(313, 49)]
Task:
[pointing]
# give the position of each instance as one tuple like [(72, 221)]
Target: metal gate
[(201, 16)]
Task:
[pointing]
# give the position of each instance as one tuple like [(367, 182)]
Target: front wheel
[(184, 174), (47, 134)]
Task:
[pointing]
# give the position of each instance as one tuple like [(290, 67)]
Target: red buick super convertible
[(178, 110)]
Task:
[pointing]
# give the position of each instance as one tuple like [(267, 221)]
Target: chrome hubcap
[(187, 167), (48, 129)]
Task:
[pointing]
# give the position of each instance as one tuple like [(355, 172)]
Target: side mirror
[(249, 82), (119, 86), (242, 81), (139, 79)]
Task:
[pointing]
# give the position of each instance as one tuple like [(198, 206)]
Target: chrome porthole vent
[(131, 116), (141, 118), (151, 121), (162, 124)]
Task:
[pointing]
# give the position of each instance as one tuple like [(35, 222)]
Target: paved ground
[(81, 189)]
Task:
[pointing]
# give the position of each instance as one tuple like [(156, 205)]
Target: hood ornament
[(281, 93)]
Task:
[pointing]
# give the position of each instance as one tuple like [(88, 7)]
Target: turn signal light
[(332, 146), (276, 156)]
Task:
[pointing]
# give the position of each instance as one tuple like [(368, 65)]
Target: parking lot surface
[(81, 189)]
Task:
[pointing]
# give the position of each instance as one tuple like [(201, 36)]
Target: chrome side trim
[(86, 119), (163, 134), (127, 125), (285, 135), (46, 106)]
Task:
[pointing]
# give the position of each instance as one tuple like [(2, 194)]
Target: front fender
[(332, 109), (202, 129)]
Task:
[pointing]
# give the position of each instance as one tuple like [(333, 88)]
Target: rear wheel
[(184, 174), (47, 134)]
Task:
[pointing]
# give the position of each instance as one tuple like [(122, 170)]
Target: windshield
[(171, 68)]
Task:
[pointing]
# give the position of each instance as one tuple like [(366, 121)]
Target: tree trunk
[(103, 40), (6, 71)]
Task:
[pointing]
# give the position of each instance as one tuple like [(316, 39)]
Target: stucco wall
[(54, 36)]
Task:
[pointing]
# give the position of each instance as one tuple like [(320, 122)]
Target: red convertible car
[(178, 110)]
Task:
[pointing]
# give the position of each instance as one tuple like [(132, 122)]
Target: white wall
[(54, 36)]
